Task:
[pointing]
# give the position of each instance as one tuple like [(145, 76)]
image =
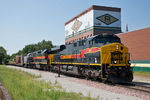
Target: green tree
[(44, 45), (34, 47), (13, 55), (29, 48), (3, 54)]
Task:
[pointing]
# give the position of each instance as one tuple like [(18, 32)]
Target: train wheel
[(88, 76), (94, 77), (43, 68)]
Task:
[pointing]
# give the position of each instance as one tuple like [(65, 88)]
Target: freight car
[(99, 57), (18, 61)]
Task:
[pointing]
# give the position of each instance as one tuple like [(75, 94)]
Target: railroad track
[(142, 88), (137, 87)]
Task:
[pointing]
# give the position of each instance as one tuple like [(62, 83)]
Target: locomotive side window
[(100, 40), (82, 43), (75, 44), (91, 42), (117, 40), (107, 39)]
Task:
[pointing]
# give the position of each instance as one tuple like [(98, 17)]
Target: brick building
[(138, 43), (95, 20)]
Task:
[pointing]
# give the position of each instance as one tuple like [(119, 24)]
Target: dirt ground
[(142, 79), (86, 87)]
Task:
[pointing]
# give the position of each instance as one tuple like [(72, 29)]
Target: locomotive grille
[(116, 57)]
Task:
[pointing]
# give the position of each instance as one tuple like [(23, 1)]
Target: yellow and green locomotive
[(100, 57)]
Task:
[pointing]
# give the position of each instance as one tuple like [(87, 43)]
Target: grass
[(23, 86), (142, 74)]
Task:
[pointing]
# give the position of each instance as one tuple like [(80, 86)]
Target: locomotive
[(101, 57)]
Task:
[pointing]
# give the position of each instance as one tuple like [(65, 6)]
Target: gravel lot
[(87, 87)]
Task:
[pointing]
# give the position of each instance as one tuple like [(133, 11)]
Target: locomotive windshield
[(107, 39)]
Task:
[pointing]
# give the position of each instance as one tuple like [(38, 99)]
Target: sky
[(24, 22)]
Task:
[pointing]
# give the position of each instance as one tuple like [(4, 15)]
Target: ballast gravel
[(86, 87)]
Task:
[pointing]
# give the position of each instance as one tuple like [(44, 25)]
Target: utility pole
[(126, 27)]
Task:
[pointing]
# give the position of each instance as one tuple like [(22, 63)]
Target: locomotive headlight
[(129, 62), (117, 47), (115, 62)]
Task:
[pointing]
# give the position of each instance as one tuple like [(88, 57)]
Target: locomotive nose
[(123, 74)]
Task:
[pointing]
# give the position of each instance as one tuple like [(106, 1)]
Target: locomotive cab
[(115, 63), (101, 40)]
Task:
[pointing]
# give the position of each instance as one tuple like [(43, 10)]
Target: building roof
[(138, 43), (95, 8)]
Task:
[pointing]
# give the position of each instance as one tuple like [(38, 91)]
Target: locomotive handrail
[(106, 61)]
